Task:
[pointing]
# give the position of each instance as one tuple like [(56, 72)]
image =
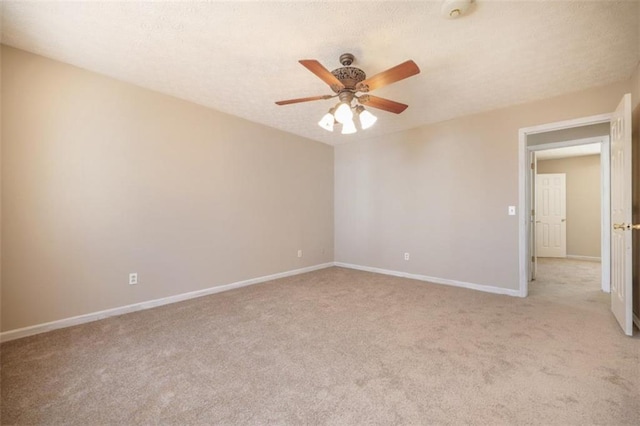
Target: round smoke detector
[(452, 9)]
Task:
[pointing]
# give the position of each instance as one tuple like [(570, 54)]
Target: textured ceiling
[(239, 57)]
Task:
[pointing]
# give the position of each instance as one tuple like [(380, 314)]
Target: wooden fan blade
[(295, 101), (382, 103), (397, 73), (324, 74)]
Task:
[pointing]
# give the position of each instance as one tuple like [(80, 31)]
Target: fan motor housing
[(349, 76)]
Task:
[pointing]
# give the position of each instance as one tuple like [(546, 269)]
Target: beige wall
[(441, 192), (583, 202), (101, 178)]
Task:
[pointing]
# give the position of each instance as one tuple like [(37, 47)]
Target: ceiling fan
[(346, 82)]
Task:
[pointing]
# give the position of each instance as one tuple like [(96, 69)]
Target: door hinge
[(533, 212), (533, 259), (533, 166)]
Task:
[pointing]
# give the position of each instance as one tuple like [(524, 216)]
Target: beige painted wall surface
[(441, 192), (101, 178), (583, 202)]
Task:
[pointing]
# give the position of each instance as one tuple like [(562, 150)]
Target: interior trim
[(587, 258), (434, 280)]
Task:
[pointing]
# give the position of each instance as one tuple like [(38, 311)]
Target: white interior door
[(621, 248), (532, 231), (551, 215)]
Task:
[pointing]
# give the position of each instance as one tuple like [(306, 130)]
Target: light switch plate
[(512, 210)]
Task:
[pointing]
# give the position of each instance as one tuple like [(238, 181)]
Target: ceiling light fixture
[(366, 118), (343, 113), (346, 82), (348, 127), (452, 9), (327, 120)]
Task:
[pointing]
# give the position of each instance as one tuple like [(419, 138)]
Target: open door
[(621, 247), (532, 229)]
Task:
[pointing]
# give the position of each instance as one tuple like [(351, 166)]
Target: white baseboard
[(589, 258), (435, 280), (95, 316)]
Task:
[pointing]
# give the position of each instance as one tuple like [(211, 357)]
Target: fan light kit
[(345, 83)]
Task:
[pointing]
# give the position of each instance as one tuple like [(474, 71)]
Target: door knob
[(624, 226), (563, 220)]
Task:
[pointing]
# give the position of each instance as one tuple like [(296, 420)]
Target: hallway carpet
[(342, 347)]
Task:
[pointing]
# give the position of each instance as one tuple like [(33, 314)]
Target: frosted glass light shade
[(343, 113), (327, 122), (367, 119), (349, 127)]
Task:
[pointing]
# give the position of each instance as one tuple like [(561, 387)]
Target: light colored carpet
[(339, 346)]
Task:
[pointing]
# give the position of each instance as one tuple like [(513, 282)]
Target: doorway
[(536, 150), (617, 248), (527, 171), (568, 209)]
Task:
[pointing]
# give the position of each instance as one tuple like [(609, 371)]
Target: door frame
[(524, 192)]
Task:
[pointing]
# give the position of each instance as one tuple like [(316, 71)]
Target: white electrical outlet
[(406, 256), (133, 278), (299, 253)]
